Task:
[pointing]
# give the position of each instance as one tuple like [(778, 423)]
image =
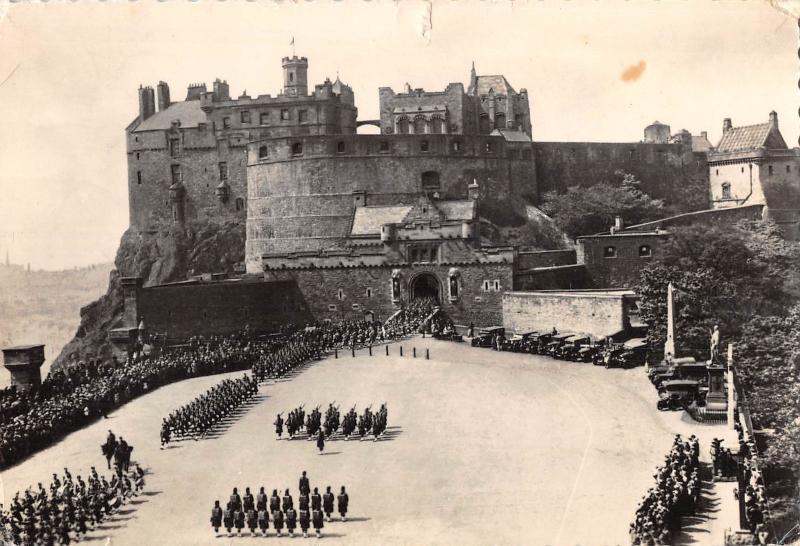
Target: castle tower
[(295, 76), (23, 363)]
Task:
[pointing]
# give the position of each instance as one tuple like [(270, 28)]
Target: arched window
[(484, 126), (437, 125), (297, 148), (726, 190), (430, 181), (402, 126), (610, 252), (263, 153), (419, 125), (499, 121), (239, 203)]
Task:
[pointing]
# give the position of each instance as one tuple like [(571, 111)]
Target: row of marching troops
[(198, 417), (296, 421), (69, 508), (676, 494), (119, 450), (256, 512)]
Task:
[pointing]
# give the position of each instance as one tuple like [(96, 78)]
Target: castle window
[(489, 148), (139, 177), (500, 121), (497, 285), (645, 251), (245, 116), (369, 292), (430, 181), (291, 76), (175, 170), (297, 148), (419, 125), (437, 126), (383, 146), (226, 122), (456, 146), (726, 190), (284, 114), (402, 126), (302, 116), (331, 308), (484, 124), (788, 168), (356, 307), (770, 169), (526, 154), (263, 119), (223, 170), (485, 286), (340, 294), (174, 147), (341, 147), (263, 153), (610, 252), (239, 203), (137, 157), (743, 170), (423, 146)]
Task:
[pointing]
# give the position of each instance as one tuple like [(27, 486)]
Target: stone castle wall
[(662, 168), (632, 251), (304, 201)]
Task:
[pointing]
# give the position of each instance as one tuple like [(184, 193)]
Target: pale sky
[(70, 74)]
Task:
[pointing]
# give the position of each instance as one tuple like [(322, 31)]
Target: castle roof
[(188, 113), (512, 135), (751, 137), (498, 83), (457, 210), (368, 220), (700, 143)]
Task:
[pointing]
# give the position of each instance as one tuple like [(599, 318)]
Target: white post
[(669, 346), (731, 388)]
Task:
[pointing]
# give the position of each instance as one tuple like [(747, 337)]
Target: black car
[(486, 336)]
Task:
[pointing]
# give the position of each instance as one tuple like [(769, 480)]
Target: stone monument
[(23, 362), (669, 345)]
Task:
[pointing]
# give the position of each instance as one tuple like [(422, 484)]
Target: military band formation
[(312, 426), (198, 417), (255, 513)]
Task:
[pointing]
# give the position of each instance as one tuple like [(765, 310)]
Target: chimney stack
[(147, 103), (704, 134), (773, 119), (163, 96), (619, 225), (727, 125)]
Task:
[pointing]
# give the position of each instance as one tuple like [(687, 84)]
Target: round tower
[(657, 133), (295, 76)]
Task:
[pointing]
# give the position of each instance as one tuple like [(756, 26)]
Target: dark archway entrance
[(425, 285)]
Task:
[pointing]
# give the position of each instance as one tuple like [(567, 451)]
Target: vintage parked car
[(628, 354), (588, 351), (678, 394), (486, 336), (555, 343), (571, 347), (518, 343), (697, 371), (537, 342)]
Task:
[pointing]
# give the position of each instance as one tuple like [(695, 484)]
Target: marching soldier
[(343, 501), (277, 517), (316, 520), (274, 501), (305, 487), (247, 501), (320, 440), (238, 520), (287, 501), (252, 520), (291, 521), (304, 522), (261, 500), (227, 517), (263, 520), (327, 503), (216, 517), (316, 500), (279, 426), (236, 500)]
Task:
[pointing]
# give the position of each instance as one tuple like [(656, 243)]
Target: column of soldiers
[(256, 512), (675, 494), (69, 508), (315, 428), (198, 417)]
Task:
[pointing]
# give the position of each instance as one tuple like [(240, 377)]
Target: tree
[(583, 211), (720, 276)]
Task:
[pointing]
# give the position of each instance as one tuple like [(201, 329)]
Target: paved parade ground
[(482, 448)]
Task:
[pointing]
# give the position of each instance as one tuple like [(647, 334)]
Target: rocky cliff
[(158, 256)]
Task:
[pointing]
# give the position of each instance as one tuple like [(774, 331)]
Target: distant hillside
[(44, 306)]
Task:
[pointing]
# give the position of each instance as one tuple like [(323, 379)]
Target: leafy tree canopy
[(588, 210)]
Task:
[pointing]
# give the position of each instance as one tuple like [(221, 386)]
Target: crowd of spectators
[(754, 495), (722, 460), (676, 493)]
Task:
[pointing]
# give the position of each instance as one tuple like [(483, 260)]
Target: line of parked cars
[(567, 346)]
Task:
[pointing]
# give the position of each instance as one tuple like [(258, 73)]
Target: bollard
[(387, 350), (415, 352), (370, 350), (353, 349), (401, 350), (336, 353), (427, 354)]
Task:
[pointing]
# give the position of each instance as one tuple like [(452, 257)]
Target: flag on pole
[(292, 44)]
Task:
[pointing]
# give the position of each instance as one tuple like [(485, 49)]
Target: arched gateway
[(425, 285)]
